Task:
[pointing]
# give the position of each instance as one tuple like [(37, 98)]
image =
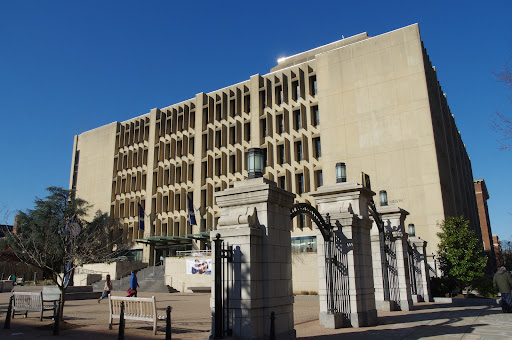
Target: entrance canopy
[(167, 242)]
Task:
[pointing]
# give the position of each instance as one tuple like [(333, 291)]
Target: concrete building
[(482, 195), (373, 103)]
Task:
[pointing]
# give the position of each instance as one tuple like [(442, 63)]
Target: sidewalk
[(191, 320)]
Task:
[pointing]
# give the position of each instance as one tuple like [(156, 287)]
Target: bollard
[(120, 335), (272, 326), (35, 278), (168, 323), (7, 323), (56, 325)]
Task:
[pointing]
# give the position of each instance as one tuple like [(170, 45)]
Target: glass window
[(297, 119), (300, 183), (302, 244), (298, 151), (315, 116)]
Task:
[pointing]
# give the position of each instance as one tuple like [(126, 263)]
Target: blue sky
[(70, 66)]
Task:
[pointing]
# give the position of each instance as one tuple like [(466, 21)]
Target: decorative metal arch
[(307, 209)]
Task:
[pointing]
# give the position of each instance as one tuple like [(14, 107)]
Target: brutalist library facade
[(373, 103)]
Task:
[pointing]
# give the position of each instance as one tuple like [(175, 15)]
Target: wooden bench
[(141, 309), (30, 302)]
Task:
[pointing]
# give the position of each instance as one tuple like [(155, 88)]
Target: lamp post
[(255, 163), (341, 172), (412, 230), (383, 196)]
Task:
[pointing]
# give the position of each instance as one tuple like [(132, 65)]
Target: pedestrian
[(133, 285), (502, 282), (106, 289)]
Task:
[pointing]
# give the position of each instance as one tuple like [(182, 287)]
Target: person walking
[(502, 282), (133, 285), (107, 288)]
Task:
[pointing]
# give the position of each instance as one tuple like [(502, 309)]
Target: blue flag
[(191, 214), (141, 217)]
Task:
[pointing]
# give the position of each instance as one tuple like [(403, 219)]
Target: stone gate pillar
[(393, 218), (348, 203), (255, 220), (421, 263)]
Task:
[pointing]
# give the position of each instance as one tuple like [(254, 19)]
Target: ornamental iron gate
[(391, 264), (224, 280), (336, 248), (415, 271)]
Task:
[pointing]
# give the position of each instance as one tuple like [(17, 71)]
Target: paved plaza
[(86, 319)]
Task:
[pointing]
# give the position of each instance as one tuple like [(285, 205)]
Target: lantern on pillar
[(255, 163), (412, 230), (341, 172), (383, 196)]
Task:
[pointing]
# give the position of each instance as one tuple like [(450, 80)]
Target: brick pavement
[(191, 320)]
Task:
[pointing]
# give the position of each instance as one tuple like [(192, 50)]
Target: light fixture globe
[(383, 197), (412, 230), (341, 172), (255, 163)]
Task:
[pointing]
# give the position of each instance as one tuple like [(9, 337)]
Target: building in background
[(373, 103), (482, 195)]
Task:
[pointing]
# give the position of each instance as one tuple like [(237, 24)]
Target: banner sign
[(199, 267)]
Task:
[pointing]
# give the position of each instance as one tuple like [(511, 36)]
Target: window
[(315, 117), (232, 164), (280, 154), (279, 95), (232, 106), (304, 244), (280, 124), (263, 123), (247, 132), (297, 120), (313, 86), (265, 157), (319, 178), (281, 182), (300, 183), (317, 147), (217, 139), (298, 151), (232, 135), (217, 167), (247, 104), (296, 90)]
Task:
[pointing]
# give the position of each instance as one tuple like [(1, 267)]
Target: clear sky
[(70, 66)]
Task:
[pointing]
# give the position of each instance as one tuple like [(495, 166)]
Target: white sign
[(199, 267)]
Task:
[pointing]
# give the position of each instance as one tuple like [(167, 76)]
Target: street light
[(383, 195), (255, 163), (412, 230), (341, 172)]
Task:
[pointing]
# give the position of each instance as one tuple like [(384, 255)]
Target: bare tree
[(55, 238), (500, 122)]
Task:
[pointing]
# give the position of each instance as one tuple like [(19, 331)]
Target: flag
[(191, 213), (141, 217)]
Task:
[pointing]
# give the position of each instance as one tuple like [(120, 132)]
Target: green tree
[(48, 239), (461, 254)]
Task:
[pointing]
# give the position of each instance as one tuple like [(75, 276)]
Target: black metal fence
[(338, 298), (391, 264), (224, 283)]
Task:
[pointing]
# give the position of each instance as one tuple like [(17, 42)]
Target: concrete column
[(255, 220), (393, 218), (420, 247), (348, 204)]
